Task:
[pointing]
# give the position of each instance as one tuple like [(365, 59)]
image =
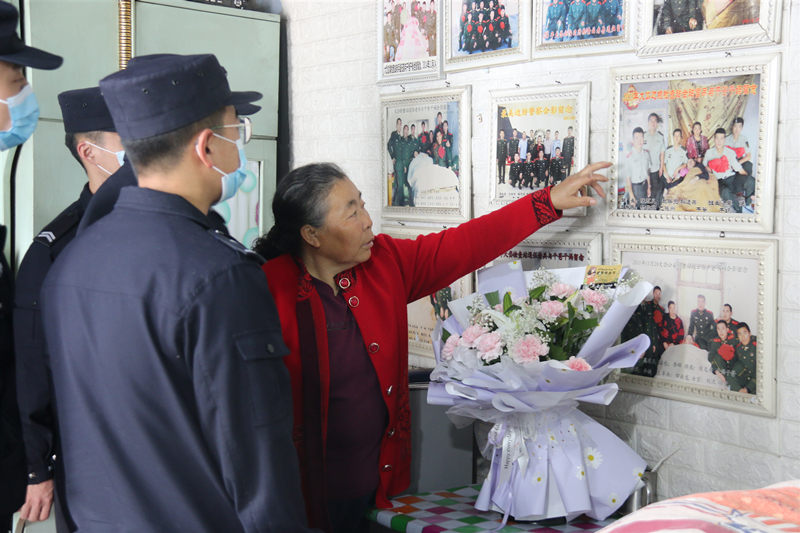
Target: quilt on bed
[(771, 509)]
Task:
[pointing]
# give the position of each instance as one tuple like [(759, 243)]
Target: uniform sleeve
[(733, 160), (234, 345), (33, 370), (433, 261)]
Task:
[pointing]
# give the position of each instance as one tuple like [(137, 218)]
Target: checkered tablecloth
[(453, 510)]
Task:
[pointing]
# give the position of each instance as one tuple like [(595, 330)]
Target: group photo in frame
[(710, 319), (680, 26), (540, 136), (694, 145), (579, 27), (482, 33), (410, 42), (426, 155), (556, 249), (423, 313)]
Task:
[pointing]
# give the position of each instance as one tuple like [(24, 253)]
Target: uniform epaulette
[(60, 226), (232, 243)]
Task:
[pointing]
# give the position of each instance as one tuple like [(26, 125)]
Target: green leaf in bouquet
[(507, 302), (511, 309), (445, 335), (537, 293), (583, 324), (493, 298), (558, 353)]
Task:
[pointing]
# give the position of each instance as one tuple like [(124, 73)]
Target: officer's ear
[(201, 147), (85, 151)]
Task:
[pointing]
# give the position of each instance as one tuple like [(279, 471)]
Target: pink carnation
[(450, 346), (489, 346), (561, 290), (471, 334), (551, 309), (594, 298), (498, 307), (529, 349), (578, 363)]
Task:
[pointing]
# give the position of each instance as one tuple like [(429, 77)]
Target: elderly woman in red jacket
[(341, 293)]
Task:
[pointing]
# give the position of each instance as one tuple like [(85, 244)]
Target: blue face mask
[(23, 108), (233, 180), (120, 156)]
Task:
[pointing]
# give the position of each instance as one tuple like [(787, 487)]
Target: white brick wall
[(335, 116)]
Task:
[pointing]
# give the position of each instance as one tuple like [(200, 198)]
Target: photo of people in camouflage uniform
[(700, 319), (422, 155), (574, 20)]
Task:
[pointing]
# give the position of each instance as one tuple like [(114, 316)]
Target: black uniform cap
[(164, 92), (85, 110), (13, 50)]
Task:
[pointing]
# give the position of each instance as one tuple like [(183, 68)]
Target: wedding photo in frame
[(556, 249), (483, 33), (693, 145), (571, 28), (426, 155), (423, 313), (710, 319), (680, 26), (540, 135), (410, 40)]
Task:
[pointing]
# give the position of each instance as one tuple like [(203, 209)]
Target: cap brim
[(34, 58), (242, 102)]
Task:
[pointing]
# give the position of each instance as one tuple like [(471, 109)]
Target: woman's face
[(345, 237)]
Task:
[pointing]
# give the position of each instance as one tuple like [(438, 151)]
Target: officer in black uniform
[(540, 169), (93, 141), (515, 171), (557, 170), (104, 198), (166, 353), (19, 113), (502, 156), (568, 150)]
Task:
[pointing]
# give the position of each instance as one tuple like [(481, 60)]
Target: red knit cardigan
[(398, 272)]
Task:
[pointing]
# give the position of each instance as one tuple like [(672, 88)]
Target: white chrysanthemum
[(593, 457), (539, 478), (613, 499), (580, 473)]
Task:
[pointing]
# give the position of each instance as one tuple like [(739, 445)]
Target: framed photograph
[(579, 27), (680, 26), (540, 136), (410, 40), (426, 155), (423, 313), (481, 33), (710, 318), (694, 145), (556, 249)]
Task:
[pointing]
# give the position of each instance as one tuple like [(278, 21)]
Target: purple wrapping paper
[(548, 458)]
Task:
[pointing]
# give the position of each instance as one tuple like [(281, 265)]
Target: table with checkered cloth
[(453, 510)]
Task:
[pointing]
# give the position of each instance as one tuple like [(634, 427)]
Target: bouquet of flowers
[(523, 362)]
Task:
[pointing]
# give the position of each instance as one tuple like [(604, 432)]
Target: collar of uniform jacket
[(143, 199)]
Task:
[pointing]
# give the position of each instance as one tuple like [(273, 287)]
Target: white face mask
[(120, 156)]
